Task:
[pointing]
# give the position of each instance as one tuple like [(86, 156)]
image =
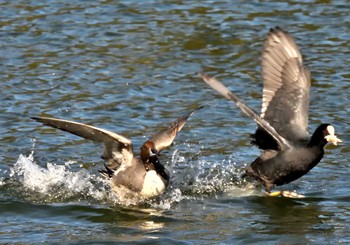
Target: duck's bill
[(154, 152)]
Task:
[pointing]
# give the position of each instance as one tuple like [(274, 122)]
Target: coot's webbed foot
[(289, 194)]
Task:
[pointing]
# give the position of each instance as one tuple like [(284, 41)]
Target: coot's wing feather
[(224, 91), (165, 137), (286, 86), (117, 149)]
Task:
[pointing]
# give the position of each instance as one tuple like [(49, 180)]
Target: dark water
[(131, 67)]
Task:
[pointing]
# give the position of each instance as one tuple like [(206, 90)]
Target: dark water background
[(131, 67)]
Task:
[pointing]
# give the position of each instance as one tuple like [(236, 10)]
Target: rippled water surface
[(131, 67)]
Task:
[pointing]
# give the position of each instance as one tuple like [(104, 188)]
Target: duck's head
[(148, 150)]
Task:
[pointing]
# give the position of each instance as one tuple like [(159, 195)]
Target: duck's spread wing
[(285, 100), (165, 137), (224, 91), (117, 149)]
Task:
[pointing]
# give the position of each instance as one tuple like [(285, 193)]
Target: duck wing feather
[(117, 149), (165, 137)]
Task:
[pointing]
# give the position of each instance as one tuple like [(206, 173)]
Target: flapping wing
[(117, 149), (224, 91), (285, 100), (165, 137)]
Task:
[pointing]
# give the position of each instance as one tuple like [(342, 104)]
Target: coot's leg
[(268, 185), (274, 194)]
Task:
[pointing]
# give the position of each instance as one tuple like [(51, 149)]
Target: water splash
[(198, 179), (205, 178), (193, 178), (55, 182)]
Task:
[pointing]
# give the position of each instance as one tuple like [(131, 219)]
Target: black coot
[(288, 152)]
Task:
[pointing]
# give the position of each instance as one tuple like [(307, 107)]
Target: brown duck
[(130, 176)]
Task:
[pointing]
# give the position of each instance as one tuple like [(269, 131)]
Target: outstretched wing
[(224, 91), (117, 149), (165, 137), (285, 100)]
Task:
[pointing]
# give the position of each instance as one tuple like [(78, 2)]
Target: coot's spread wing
[(286, 87), (165, 137), (224, 91), (117, 149)]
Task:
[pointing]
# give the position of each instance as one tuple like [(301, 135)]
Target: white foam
[(56, 181), (190, 179)]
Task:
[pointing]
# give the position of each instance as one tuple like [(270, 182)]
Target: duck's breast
[(153, 184)]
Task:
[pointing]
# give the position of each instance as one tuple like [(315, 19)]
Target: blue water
[(131, 67)]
